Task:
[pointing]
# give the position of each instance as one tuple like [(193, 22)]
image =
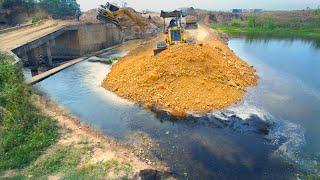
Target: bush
[(251, 22), (113, 58), (35, 19), (235, 22), (18, 4), (269, 24), (25, 132), (60, 8), (56, 8)]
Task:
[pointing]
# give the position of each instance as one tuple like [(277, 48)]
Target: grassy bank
[(281, 32), (33, 145), (24, 131), (67, 162), (304, 23)]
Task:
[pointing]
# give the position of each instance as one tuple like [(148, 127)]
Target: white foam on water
[(96, 73), (291, 147), (287, 136), (95, 58), (245, 110)]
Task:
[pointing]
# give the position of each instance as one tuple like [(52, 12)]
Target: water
[(289, 87), (271, 134)]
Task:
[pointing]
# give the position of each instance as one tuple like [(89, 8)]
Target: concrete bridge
[(64, 41)]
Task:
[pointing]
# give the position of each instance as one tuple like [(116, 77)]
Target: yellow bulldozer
[(174, 31), (109, 13)]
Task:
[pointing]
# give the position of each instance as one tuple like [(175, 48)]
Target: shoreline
[(103, 148)]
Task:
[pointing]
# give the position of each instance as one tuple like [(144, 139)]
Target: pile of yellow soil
[(184, 78)]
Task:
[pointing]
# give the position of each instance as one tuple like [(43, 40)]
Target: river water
[(272, 133)]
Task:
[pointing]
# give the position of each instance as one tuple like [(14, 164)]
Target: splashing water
[(287, 136)]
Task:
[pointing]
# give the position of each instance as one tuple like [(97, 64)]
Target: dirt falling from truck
[(182, 79)]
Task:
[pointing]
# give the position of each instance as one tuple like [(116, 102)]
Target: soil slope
[(184, 78)]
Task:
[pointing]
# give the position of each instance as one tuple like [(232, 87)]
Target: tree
[(16, 7), (26, 5), (60, 8)]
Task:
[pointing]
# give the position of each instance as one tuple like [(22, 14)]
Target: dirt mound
[(184, 78), (190, 19), (90, 16), (155, 18), (129, 27), (133, 31)]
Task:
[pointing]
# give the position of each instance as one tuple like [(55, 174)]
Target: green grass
[(312, 177), (284, 24), (113, 58), (283, 32), (62, 160), (24, 131), (100, 170), (66, 162), (35, 19), (110, 60)]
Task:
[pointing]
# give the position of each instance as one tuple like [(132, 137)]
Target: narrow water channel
[(271, 134)]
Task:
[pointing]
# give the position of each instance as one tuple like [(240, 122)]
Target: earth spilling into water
[(272, 133)]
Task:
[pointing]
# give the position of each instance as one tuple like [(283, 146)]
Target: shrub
[(251, 22), (18, 4), (235, 22), (269, 24), (35, 19), (113, 58)]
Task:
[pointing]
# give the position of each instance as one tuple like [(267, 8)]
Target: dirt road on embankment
[(15, 38), (201, 34)]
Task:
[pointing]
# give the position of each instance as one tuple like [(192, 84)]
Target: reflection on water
[(315, 43), (259, 138)]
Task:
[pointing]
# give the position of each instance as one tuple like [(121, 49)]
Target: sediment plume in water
[(185, 78)]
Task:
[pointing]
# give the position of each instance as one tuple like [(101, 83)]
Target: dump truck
[(191, 22)]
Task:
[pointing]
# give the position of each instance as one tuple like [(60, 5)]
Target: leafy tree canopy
[(17, 4), (60, 8), (57, 8)]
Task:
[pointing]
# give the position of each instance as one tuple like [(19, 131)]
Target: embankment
[(300, 23)]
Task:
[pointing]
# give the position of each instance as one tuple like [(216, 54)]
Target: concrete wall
[(98, 36), (86, 39), (66, 45)]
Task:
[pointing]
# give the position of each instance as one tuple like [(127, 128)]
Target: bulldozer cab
[(175, 32)]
